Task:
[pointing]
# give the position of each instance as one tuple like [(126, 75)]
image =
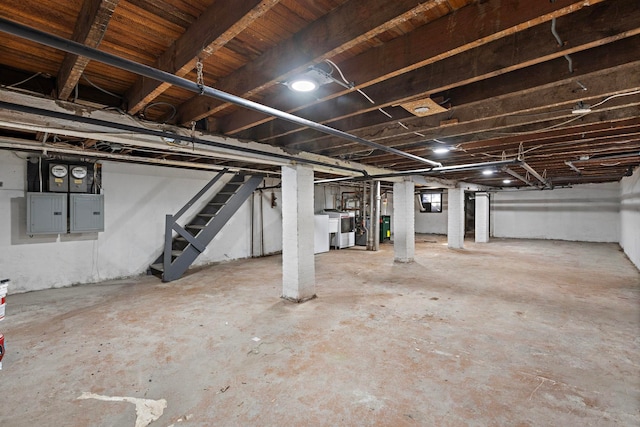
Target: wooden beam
[(616, 109), (80, 122), (592, 27), (91, 26), (619, 130), (569, 148), (215, 27), (477, 102), (345, 27), (469, 28)]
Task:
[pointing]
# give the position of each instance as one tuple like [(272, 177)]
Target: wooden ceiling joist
[(530, 53), (468, 29), (345, 27), (616, 64), (90, 28), (219, 24), (507, 73)]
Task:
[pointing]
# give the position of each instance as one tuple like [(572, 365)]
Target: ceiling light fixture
[(506, 181), (310, 80), (487, 172), (423, 107), (441, 150), (303, 85)]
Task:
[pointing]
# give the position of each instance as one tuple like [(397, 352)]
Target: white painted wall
[(630, 217), (432, 223), (267, 219), (137, 198), (589, 213)]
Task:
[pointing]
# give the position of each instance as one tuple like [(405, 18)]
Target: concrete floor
[(510, 333)]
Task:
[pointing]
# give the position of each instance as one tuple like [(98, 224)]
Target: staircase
[(192, 239)]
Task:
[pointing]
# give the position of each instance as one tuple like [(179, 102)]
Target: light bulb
[(303, 85)]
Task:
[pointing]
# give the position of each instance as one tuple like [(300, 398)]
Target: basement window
[(430, 201)]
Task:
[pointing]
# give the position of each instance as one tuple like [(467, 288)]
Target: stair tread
[(238, 187), (159, 267)]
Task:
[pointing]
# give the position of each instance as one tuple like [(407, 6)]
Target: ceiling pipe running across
[(518, 176), (533, 172), (430, 171), (29, 33), (35, 147)]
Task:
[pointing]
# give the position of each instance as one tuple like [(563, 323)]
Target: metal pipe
[(16, 144), (69, 46), (443, 169), (253, 202), (363, 214), (164, 134), (557, 36), (573, 167), (261, 224), (372, 214), (518, 176), (533, 172), (376, 219), (609, 157)]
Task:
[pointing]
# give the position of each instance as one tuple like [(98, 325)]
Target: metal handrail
[(199, 194)]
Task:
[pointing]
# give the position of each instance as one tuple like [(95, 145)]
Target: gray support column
[(298, 263), (455, 223), (482, 217), (404, 243)]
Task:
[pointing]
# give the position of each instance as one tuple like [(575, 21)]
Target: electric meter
[(59, 171), (79, 172), (58, 178)]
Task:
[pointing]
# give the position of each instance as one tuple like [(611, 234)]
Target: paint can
[(1, 349), (3, 299)]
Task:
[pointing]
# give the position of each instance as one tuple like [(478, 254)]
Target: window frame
[(433, 206)]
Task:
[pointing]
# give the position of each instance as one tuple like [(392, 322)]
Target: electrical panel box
[(46, 213), (86, 213), (78, 179), (58, 178)]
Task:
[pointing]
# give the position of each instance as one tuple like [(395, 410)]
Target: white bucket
[(3, 295)]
